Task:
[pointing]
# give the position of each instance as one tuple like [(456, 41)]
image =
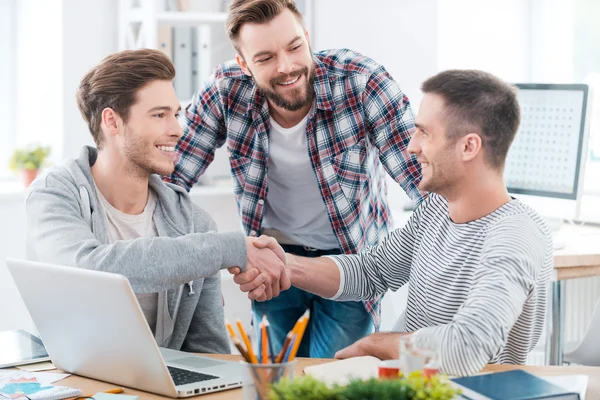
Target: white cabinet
[(192, 33), (156, 24)]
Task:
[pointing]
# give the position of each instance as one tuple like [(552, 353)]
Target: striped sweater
[(477, 291)]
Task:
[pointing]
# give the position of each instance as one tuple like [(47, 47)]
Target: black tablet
[(20, 347)]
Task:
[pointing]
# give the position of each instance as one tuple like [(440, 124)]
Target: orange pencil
[(300, 333), (246, 340), (230, 329)]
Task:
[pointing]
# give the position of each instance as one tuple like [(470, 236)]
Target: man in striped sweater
[(477, 261)]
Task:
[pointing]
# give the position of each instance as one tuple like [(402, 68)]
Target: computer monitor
[(545, 164)]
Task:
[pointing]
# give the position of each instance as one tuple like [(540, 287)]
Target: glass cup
[(259, 377), (417, 358), (389, 369)]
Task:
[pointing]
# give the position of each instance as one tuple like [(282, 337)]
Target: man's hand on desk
[(383, 345), (265, 275)]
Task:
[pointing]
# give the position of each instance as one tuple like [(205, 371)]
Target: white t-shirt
[(122, 226), (294, 205)]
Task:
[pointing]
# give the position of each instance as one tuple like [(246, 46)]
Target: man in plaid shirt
[(309, 136)]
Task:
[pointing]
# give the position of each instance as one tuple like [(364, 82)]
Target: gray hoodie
[(66, 225)]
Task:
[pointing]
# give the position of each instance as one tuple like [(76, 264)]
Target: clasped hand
[(265, 276)]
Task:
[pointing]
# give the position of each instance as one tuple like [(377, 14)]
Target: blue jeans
[(332, 326)]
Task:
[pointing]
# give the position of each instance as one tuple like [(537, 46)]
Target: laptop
[(92, 325)]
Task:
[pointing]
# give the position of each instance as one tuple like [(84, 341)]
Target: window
[(571, 55), (586, 68), (7, 79)]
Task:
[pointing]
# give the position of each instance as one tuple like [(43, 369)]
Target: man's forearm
[(320, 276)]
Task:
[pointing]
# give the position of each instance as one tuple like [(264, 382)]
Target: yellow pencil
[(112, 391), (246, 340), (289, 336), (300, 333)]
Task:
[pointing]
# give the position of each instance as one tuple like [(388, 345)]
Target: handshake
[(266, 275)]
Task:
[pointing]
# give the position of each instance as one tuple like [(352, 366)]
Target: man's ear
[(470, 146), (110, 122), (243, 64), (307, 36)]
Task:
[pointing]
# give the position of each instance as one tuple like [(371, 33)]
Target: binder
[(201, 57), (182, 58), (164, 40)]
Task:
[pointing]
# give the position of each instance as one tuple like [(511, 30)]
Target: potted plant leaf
[(29, 161), (415, 386)]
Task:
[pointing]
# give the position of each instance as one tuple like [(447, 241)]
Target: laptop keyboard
[(183, 376)]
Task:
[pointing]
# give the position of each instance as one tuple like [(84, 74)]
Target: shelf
[(191, 18), (178, 17), (13, 190), (223, 188)]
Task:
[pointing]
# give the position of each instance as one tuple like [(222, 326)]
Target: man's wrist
[(384, 345), (291, 266)]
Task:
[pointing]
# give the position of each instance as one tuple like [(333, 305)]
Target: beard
[(140, 159), (298, 97)]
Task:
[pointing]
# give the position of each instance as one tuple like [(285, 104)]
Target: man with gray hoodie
[(109, 210)]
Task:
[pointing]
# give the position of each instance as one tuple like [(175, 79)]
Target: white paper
[(45, 378), (343, 371), (37, 367)]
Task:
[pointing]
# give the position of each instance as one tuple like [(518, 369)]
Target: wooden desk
[(580, 258), (92, 386)]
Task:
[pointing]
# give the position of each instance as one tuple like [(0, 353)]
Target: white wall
[(39, 72), (399, 34), (13, 313), (493, 36), (552, 32), (86, 41), (7, 54), (58, 42)]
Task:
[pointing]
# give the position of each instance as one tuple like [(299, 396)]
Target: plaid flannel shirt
[(359, 122)]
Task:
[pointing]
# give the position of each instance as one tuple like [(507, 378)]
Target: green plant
[(305, 387), (31, 158), (414, 387)]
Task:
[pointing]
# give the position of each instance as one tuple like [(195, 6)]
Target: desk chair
[(587, 352)]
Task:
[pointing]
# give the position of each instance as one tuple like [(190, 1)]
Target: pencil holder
[(260, 376)]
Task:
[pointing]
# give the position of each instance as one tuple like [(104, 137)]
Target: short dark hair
[(477, 101), (257, 11), (114, 83)]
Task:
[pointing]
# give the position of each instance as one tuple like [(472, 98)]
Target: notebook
[(511, 385), (343, 371), (574, 383), (35, 390)]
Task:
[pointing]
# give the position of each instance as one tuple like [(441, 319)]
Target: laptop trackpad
[(195, 362)]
